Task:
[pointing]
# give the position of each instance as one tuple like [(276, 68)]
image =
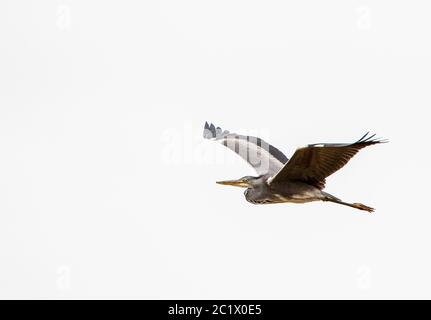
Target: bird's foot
[(361, 206)]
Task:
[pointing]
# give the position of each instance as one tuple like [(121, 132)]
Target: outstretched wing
[(262, 156), (312, 164)]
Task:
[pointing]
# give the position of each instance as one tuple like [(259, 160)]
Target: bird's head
[(244, 182)]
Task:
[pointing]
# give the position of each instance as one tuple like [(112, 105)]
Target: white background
[(107, 187)]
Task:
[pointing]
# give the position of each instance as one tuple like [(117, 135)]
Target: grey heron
[(298, 180)]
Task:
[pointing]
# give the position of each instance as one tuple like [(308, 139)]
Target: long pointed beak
[(235, 183)]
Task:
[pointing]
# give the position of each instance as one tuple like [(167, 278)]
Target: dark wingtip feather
[(363, 137), (369, 139), (207, 131), (211, 131)]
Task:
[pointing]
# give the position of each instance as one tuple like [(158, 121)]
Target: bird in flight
[(299, 179)]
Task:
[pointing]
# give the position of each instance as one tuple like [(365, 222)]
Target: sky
[(107, 188)]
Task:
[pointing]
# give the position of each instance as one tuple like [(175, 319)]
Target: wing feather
[(314, 163), (262, 156)]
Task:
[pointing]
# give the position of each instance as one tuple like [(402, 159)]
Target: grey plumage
[(300, 179), (262, 156)]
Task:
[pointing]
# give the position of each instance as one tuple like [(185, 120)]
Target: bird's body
[(290, 191), (298, 180)]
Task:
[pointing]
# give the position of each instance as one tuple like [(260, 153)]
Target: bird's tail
[(360, 206)]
